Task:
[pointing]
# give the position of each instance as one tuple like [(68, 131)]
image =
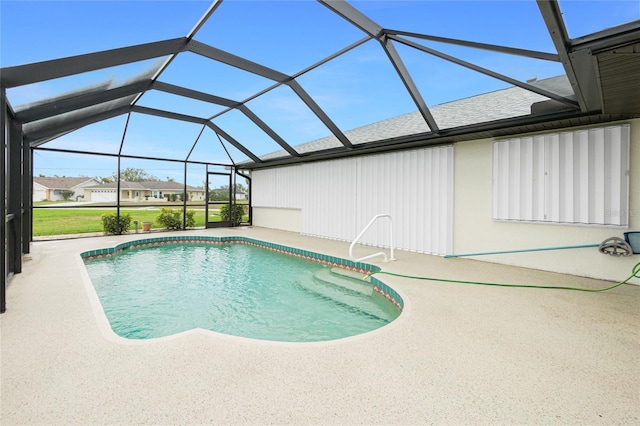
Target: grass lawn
[(52, 221)]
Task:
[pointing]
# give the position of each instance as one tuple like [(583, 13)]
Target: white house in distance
[(50, 188), (141, 191)]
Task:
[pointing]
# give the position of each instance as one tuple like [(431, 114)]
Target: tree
[(241, 188), (222, 193), (132, 174), (66, 194), (107, 179), (219, 195)]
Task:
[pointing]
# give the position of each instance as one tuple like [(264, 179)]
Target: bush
[(67, 194), (172, 219), (237, 211), (111, 225), (191, 221)]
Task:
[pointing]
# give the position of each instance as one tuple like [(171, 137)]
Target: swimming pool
[(238, 286)]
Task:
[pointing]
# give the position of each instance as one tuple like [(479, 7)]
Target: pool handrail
[(381, 253)]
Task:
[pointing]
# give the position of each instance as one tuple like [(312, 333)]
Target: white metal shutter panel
[(416, 189), (263, 188), (279, 188), (288, 187), (338, 198), (519, 179), (329, 202), (589, 176), (578, 177)]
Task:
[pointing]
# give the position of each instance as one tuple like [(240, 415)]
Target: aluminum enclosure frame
[(26, 74)]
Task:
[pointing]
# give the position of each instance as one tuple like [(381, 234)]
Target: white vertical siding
[(338, 198), (569, 177)]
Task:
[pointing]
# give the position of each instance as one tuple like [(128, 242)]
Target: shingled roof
[(61, 182), (156, 185), (506, 103)]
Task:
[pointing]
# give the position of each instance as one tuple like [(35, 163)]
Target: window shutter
[(578, 177)]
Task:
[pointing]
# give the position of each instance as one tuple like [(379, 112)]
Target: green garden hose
[(635, 272)]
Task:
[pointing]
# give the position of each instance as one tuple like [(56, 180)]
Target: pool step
[(348, 273), (346, 279), (350, 293)]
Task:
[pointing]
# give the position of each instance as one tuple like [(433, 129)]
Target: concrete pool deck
[(458, 354)]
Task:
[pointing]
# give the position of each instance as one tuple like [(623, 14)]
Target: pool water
[(236, 289)]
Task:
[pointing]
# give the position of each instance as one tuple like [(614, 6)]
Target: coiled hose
[(635, 272)]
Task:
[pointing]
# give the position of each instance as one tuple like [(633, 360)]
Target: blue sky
[(355, 89)]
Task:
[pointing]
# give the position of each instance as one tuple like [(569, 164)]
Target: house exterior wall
[(138, 195), (274, 218), (475, 231), (335, 199), (78, 190), (39, 192), (277, 198), (55, 195), (196, 196)]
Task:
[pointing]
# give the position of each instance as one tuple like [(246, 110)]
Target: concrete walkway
[(458, 354)]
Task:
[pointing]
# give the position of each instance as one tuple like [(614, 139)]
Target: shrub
[(237, 211), (191, 221), (172, 219), (67, 194), (111, 225)]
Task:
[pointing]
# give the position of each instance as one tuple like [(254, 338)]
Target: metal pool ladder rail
[(381, 253)]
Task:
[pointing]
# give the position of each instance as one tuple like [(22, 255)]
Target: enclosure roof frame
[(583, 59)]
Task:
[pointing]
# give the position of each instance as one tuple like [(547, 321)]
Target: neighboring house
[(141, 191), (50, 188)]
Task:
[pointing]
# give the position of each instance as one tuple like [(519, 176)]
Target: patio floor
[(458, 354)]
